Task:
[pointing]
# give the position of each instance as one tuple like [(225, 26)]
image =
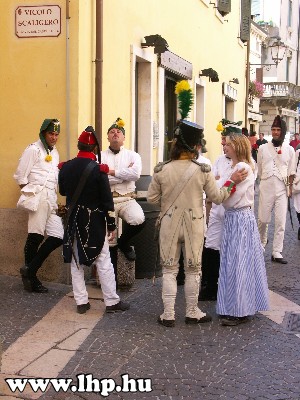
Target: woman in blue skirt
[(242, 286)]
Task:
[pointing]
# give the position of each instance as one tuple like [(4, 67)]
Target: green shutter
[(224, 6), (245, 20)]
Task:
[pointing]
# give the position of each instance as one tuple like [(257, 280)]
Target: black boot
[(128, 233), (181, 274), (30, 251), (210, 274), (31, 246), (50, 244)]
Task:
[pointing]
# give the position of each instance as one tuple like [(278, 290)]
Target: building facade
[(280, 62)]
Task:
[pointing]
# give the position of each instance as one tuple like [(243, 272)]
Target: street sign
[(38, 21)]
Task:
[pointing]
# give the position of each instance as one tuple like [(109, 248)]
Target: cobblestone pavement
[(258, 360)]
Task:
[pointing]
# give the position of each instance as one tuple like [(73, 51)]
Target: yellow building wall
[(194, 32), (42, 77)]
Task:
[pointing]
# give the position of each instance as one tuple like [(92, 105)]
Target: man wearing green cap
[(37, 173)]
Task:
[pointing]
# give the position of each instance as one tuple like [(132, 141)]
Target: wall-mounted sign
[(37, 21), (229, 91), (172, 62)]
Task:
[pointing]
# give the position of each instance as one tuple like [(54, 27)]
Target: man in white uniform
[(276, 169), (125, 167), (37, 171)]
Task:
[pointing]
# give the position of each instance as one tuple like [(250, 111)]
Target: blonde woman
[(242, 286)]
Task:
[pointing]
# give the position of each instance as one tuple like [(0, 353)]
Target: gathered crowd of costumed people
[(207, 232)]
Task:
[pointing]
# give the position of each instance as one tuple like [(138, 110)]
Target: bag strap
[(298, 161), (88, 169), (178, 189)]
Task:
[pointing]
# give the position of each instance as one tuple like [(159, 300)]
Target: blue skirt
[(242, 286)]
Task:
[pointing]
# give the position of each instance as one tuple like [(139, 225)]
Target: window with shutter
[(224, 6), (245, 20), (259, 75)]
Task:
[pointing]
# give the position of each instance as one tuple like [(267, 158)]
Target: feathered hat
[(227, 127), (118, 124), (187, 133)]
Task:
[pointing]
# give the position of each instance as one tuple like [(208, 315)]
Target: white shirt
[(221, 165), (296, 197), (244, 194), (266, 164), (203, 160), (125, 177), (33, 168)]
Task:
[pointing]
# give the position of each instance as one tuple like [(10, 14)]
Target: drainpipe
[(247, 83), (99, 70), (297, 68), (68, 139)]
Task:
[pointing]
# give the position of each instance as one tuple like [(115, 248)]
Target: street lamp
[(278, 50)]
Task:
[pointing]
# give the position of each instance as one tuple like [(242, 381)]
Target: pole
[(99, 71), (247, 83)]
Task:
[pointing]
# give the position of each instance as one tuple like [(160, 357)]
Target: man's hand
[(111, 235), (111, 172), (239, 176)]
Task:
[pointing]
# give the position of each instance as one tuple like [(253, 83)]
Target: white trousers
[(272, 195), (44, 219), (128, 210), (191, 286), (106, 275)]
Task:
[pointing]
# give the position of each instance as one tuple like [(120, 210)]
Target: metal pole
[(99, 70), (247, 83)]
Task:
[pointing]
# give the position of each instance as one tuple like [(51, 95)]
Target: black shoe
[(233, 321), (169, 323), (206, 318), (129, 253), (82, 308), (39, 288), (121, 306), (279, 260)]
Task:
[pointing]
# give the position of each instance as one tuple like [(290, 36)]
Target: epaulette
[(61, 164), (204, 167), (160, 166)]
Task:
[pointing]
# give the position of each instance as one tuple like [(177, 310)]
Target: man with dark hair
[(276, 170), (37, 173), (85, 240), (125, 168), (261, 139)]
